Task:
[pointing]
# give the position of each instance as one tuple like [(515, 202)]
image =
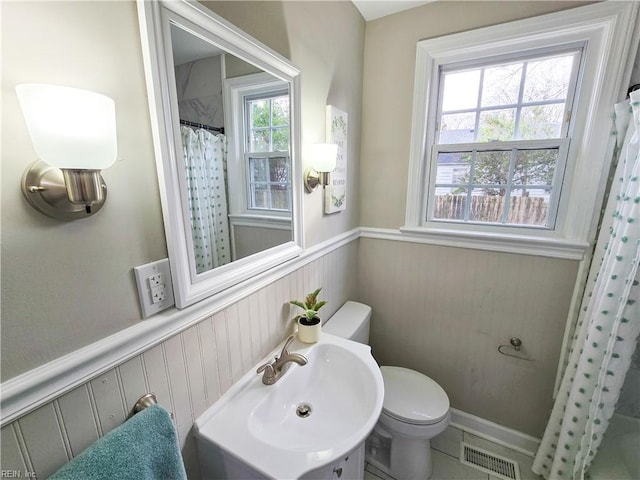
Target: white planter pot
[(309, 333)]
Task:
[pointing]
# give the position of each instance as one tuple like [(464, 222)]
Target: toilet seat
[(413, 398)]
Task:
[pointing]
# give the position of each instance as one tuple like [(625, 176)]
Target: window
[(502, 132), (258, 112), (510, 145), (267, 151)]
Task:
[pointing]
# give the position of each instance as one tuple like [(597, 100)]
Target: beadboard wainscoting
[(188, 371), (444, 311)]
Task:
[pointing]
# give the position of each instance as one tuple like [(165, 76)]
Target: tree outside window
[(506, 115), (268, 159)]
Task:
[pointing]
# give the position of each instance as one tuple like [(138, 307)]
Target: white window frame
[(248, 154), (560, 143), (609, 34), (235, 91)]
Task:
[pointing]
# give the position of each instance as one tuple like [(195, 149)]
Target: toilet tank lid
[(412, 397), (348, 319)]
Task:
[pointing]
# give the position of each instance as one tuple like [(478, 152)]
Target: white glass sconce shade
[(69, 127), (324, 156), (73, 132), (323, 161)]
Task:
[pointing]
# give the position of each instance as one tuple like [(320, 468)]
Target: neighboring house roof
[(452, 137)]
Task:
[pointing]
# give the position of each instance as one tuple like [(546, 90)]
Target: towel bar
[(143, 402), (145, 446)]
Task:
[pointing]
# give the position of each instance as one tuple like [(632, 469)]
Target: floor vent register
[(489, 462)]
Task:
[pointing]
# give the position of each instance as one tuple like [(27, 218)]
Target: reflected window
[(268, 161)]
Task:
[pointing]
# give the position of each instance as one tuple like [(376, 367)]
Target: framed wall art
[(335, 194)]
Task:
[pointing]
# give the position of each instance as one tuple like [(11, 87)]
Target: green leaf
[(298, 304), (319, 305), (310, 304)]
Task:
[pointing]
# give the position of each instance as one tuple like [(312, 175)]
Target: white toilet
[(415, 408)]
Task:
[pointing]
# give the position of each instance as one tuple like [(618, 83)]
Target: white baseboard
[(513, 439)]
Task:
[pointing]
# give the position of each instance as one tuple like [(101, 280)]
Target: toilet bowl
[(415, 407)]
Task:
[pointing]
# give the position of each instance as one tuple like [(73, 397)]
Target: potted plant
[(309, 325)]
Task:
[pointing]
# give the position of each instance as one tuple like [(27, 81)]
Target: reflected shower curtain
[(608, 324), (204, 155)]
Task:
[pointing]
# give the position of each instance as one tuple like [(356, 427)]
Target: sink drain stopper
[(303, 410)]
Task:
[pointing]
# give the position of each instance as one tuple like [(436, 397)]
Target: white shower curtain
[(204, 155), (608, 325)]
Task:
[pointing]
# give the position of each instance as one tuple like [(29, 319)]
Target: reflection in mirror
[(227, 144), (240, 197)]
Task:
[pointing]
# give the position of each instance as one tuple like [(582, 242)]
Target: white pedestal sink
[(304, 425)]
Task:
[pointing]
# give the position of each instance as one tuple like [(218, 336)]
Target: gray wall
[(444, 311), (66, 285), (249, 240), (326, 41), (389, 59)]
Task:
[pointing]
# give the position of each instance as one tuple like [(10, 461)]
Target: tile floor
[(445, 454)]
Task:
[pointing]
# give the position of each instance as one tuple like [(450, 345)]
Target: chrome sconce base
[(45, 189), (312, 179)]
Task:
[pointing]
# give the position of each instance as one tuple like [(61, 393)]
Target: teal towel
[(144, 447)]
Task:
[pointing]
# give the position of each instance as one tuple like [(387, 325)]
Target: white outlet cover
[(143, 273), (155, 280)]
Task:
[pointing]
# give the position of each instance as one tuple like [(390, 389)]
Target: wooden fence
[(522, 210)]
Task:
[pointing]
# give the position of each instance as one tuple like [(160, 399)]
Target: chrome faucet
[(273, 371)]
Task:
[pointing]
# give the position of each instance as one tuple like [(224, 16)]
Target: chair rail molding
[(30, 390), (520, 244)]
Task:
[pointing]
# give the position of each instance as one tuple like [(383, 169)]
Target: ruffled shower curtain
[(608, 324), (204, 155)]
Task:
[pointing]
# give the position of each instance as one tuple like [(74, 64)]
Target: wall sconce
[(323, 162), (73, 132)]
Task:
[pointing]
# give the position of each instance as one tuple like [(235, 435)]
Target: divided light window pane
[(269, 164), (523, 99), (270, 183), (495, 186), (509, 120), (268, 124)]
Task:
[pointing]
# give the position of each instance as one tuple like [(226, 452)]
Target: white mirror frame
[(155, 18)]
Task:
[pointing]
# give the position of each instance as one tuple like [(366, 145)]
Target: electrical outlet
[(155, 290), (157, 294), (155, 280)]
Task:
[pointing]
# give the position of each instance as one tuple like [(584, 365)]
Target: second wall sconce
[(73, 132), (323, 162)]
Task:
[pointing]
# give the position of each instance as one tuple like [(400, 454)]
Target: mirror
[(224, 112)]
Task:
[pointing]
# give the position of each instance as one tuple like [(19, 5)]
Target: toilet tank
[(351, 321)]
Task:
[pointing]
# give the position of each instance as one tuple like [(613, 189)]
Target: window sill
[(506, 243), (609, 33), (261, 220)]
